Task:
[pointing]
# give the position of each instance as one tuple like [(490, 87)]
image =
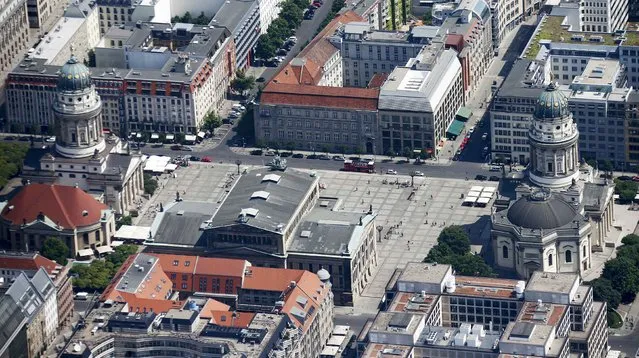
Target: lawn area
[(552, 30), (614, 319)]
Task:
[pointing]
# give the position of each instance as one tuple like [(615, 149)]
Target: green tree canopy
[(11, 157), (242, 83), (456, 239), (124, 220), (212, 121), (603, 290), (56, 250), (150, 184), (121, 253), (291, 13), (266, 47), (95, 276), (630, 239), (624, 276)]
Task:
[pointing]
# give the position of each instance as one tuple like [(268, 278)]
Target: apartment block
[(43, 12), (469, 32), (418, 102), (433, 312), (242, 19), (603, 15), (77, 32), (506, 15), (114, 13), (14, 27), (150, 89), (632, 129), (13, 264), (373, 11), (366, 52)]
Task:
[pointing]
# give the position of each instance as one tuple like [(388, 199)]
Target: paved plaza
[(410, 227)]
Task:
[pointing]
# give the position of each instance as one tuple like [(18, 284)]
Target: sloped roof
[(226, 319), (302, 302), (321, 96), (199, 265), (64, 205), (27, 262), (270, 279), (212, 305)]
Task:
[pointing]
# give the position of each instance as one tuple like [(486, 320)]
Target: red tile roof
[(31, 262), (226, 319), (378, 80), (64, 205), (270, 279), (199, 265), (310, 287), (212, 305), (321, 96)]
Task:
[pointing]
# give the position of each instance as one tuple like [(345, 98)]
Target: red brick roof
[(199, 265), (377, 80), (31, 262), (226, 319), (270, 279), (321, 96), (64, 205)]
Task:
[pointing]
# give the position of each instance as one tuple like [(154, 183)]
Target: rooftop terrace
[(551, 29)]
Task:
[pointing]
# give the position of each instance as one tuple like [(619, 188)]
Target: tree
[(124, 220), (606, 165), (95, 276), (212, 121), (630, 240), (624, 276), (265, 47), (456, 238), (603, 290), (242, 83), (150, 184), (627, 190), (279, 29), (91, 58), (186, 18), (202, 19), (439, 253), (11, 158), (471, 265), (408, 153), (56, 250), (291, 13), (391, 153), (121, 253)]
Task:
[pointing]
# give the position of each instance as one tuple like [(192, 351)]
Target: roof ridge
[(62, 208)]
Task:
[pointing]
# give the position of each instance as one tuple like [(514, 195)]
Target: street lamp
[(238, 163), (412, 177), (379, 232)]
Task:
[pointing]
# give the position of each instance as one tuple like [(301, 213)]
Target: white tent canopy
[(116, 243), (470, 199), (190, 138), (483, 200), (201, 134), (156, 164), (486, 195), (169, 137), (155, 136), (85, 252), (473, 193), (103, 249), (476, 188), (136, 233), (489, 189)]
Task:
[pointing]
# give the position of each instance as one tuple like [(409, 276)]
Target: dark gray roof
[(327, 232), (595, 196), (11, 321), (522, 330), (180, 223), (541, 210), (521, 81), (284, 197), (231, 14), (136, 273), (74, 76)]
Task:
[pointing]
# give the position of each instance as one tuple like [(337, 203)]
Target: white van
[(82, 296)]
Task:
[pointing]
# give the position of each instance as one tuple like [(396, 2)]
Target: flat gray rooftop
[(267, 198), (552, 282), (180, 223), (424, 272)]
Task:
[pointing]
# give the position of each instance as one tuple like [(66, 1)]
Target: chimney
[(41, 216)]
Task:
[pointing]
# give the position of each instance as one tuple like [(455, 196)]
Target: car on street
[(311, 156), (391, 172), (308, 15), (418, 173), (480, 177), (471, 129), (495, 168), (317, 4), (484, 136), (256, 152), (238, 107), (186, 148), (234, 115), (206, 159), (323, 157), (260, 79), (493, 178), (24, 139), (484, 151), (285, 154), (281, 52), (50, 140), (270, 153), (194, 158), (292, 39), (10, 137), (624, 178), (297, 155), (173, 147), (338, 158)]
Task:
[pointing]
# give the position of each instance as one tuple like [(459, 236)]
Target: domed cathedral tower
[(553, 135), (78, 113)]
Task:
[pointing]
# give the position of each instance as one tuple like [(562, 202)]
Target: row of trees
[(11, 157), (97, 275), (453, 248), (291, 12), (335, 9), (619, 281), (187, 18)]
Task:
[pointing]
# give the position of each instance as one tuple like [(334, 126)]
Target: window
[(584, 250), (549, 259), (504, 251), (568, 256), (184, 286)]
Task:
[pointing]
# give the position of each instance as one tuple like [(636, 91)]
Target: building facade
[(242, 19), (418, 103), (14, 28), (605, 16), (506, 15), (366, 52)]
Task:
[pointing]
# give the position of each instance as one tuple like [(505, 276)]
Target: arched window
[(504, 251), (568, 256), (584, 250), (549, 259)]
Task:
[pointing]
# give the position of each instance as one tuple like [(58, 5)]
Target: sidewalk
[(378, 158)]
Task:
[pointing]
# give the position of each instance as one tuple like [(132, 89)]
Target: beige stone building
[(14, 32), (65, 212)]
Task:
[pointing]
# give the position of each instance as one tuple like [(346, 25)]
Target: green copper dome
[(74, 76), (551, 104)]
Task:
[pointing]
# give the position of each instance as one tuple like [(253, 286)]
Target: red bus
[(359, 166)]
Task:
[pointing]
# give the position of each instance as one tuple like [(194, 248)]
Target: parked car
[(323, 157), (281, 52), (186, 148), (418, 173), (311, 156), (173, 147), (484, 136), (238, 107), (195, 159), (10, 137), (298, 155), (391, 172), (270, 153), (480, 177), (292, 39), (206, 159), (338, 158), (471, 129), (234, 115), (50, 140), (260, 79), (308, 15), (624, 178), (256, 152), (24, 139), (285, 154), (495, 168), (493, 178)]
